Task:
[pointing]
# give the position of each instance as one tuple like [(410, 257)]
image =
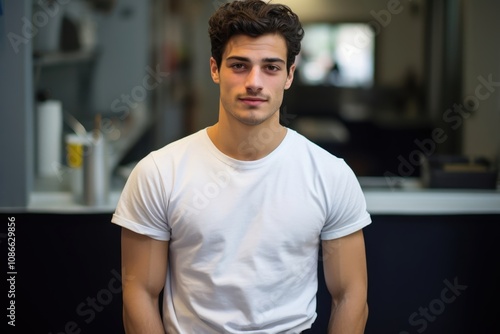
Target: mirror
[(372, 116)]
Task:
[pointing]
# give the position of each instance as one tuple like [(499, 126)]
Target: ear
[(289, 78), (214, 70)]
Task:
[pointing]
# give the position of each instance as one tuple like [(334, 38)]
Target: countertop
[(407, 198), (410, 198)]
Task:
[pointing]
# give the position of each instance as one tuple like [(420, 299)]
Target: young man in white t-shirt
[(228, 221)]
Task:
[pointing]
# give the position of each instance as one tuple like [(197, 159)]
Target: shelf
[(63, 58)]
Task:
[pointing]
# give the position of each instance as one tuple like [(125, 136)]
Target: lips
[(252, 101)]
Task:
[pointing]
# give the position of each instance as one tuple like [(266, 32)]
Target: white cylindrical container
[(49, 137)]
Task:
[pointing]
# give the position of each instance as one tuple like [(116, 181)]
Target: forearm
[(141, 314), (145, 261), (346, 279), (348, 318)]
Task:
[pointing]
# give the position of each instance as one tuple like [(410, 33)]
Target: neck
[(247, 142)]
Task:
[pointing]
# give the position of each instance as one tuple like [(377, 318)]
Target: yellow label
[(74, 155)]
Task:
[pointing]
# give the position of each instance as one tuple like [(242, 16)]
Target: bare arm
[(144, 268), (344, 262)]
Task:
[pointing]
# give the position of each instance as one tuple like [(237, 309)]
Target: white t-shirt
[(243, 235)]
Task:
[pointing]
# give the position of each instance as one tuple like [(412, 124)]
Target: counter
[(408, 198), (62, 202), (421, 241)]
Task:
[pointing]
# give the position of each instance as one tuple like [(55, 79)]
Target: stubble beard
[(253, 120)]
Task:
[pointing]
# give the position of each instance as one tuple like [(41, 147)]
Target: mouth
[(252, 101)]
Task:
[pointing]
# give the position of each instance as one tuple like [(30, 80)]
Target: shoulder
[(168, 156), (323, 165), (176, 151), (179, 146), (313, 153)]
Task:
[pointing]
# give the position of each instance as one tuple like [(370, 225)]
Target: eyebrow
[(265, 60)]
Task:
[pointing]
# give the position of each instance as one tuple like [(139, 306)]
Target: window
[(337, 54)]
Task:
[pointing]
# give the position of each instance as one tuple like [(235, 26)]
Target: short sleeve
[(347, 207), (143, 202)]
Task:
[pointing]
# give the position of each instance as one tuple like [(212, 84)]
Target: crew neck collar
[(247, 164)]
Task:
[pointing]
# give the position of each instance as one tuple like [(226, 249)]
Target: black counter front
[(68, 274), (427, 274)]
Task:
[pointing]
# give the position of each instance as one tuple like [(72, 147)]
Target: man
[(228, 221)]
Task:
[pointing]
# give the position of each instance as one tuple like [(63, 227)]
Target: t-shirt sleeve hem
[(347, 230), (141, 229)]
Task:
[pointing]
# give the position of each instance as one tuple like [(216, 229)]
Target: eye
[(273, 68), (237, 66)]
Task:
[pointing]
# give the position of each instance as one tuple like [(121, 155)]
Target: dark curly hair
[(254, 18)]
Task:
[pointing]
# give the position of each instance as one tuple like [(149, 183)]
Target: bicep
[(344, 263), (144, 262)]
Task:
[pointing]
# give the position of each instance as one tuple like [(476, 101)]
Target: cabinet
[(74, 69), (97, 81), (69, 274), (70, 78), (66, 259)]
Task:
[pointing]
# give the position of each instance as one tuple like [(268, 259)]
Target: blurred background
[(405, 91), (376, 82)]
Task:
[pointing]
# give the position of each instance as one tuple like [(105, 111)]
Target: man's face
[(252, 77)]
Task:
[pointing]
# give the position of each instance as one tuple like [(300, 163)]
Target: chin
[(257, 117), (251, 122)]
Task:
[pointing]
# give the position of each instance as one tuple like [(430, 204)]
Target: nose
[(253, 82)]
